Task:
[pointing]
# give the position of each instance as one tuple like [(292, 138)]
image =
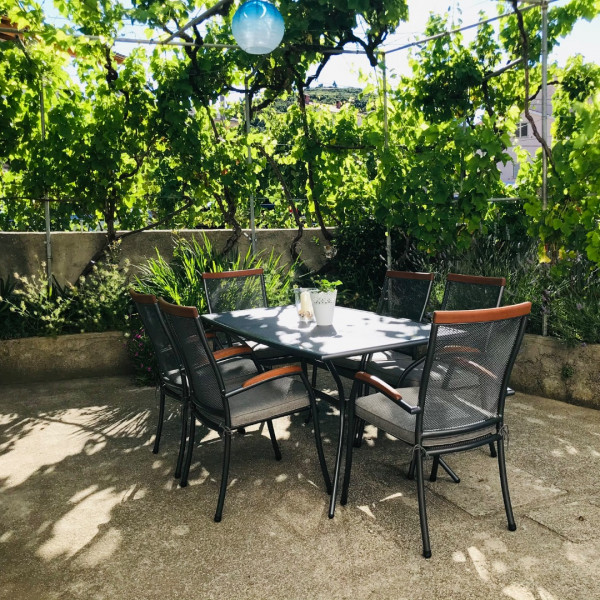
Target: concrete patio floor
[(88, 512)]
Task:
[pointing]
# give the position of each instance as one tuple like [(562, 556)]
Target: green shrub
[(99, 302), (180, 280)]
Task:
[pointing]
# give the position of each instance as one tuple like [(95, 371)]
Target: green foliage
[(141, 353), (325, 285), (180, 280), (99, 302)]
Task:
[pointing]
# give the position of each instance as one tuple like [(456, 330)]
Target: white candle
[(306, 309)]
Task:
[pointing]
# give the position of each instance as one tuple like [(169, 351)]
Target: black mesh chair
[(404, 295), (261, 397), (170, 377), (461, 292), (236, 290), (459, 405)]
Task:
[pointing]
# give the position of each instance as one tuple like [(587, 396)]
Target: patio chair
[(263, 396), (236, 290), (459, 405), (461, 292), (404, 295), (170, 378)]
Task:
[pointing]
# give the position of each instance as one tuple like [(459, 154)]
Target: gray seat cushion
[(385, 414), (266, 401)]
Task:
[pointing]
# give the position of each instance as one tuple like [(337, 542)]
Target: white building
[(524, 138)]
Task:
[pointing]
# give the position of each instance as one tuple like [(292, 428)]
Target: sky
[(344, 70)]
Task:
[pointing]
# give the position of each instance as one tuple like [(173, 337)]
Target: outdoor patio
[(89, 512)]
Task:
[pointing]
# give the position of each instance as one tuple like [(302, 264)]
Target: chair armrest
[(475, 367), (410, 367), (272, 374), (454, 349), (386, 390), (231, 352)]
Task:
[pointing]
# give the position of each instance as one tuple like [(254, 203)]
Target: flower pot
[(323, 304)]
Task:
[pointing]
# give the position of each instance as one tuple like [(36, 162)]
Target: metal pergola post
[(388, 234), (249, 162), (45, 195)]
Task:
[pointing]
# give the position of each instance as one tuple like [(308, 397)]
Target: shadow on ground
[(89, 512)]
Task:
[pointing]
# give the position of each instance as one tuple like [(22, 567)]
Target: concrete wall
[(24, 253), (28, 360), (544, 366), (549, 368)]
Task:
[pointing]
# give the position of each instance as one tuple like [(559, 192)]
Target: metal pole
[(45, 194), (544, 101), (249, 162), (544, 7), (388, 235)]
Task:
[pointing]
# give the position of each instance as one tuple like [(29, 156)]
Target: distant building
[(524, 138)]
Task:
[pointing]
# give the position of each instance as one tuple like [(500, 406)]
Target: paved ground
[(88, 512)]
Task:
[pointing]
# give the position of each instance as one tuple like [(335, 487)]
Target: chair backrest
[(405, 294), (472, 292), (235, 290), (169, 362), (468, 364), (202, 374)]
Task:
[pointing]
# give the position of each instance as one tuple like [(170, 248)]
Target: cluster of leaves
[(180, 280), (141, 353), (570, 300), (99, 302)]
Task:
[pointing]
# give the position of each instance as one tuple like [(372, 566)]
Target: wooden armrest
[(387, 390), (460, 350), (473, 366), (233, 351), (272, 374)]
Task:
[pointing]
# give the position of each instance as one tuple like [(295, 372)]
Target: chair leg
[(349, 449), (319, 442), (358, 430), (434, 468), (274, 440), (161, 416), (418, 459), (184, 428), (493, 453), (504, 484), (224, 476), (448, 470), (190, 449), (411, 469)]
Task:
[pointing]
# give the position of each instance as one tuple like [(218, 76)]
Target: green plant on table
[(324, 285)]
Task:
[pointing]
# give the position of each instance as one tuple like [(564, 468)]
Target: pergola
[(9, 32)]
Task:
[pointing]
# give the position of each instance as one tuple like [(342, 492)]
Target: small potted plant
[(323, 300)]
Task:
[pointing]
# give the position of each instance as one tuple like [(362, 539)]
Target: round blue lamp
[(257, 27)]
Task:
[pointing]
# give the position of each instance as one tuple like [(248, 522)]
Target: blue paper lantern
[(257, 27)]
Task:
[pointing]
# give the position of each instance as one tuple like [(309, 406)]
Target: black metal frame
[(422, 443), (223, 424), (167, 384)]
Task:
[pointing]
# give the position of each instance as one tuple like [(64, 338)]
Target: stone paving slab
[(88, 512)]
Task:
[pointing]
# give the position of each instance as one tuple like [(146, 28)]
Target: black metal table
[(353, 333)]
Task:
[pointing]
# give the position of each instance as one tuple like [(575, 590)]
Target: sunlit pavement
[(87, 511)]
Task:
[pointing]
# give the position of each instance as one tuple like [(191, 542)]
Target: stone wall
[(549, 368), (24, 253), (544, 367), (29, 360)]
